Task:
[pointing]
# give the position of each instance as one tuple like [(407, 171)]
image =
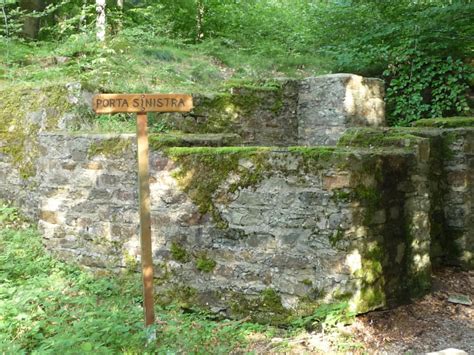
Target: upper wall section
[(314, 111)]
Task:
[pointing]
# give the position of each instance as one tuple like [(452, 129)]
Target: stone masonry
[(265, 232)]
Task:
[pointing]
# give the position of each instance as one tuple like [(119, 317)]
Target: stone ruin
[(265, 202)]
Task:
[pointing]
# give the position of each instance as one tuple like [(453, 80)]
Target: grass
[(158, 64)]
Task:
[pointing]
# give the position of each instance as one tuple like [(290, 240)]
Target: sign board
[(115, 103), (141, 104)]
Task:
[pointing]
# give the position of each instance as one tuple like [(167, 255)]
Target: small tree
[(101, 20)]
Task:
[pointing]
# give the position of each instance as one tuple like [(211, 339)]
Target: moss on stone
[(131, 263), (179, 295), (370, 199), (205, 264), (336, 237), (20, 136), (265, 308), (228, 112), (202, 171), (316, 153), (111, 147), (341, 195), (371, 297), (178, 253), (445, 122), (378, 138), (179, 139)]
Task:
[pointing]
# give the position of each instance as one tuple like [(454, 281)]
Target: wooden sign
[(115, 103), (141, 104)]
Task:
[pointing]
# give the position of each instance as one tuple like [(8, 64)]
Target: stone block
[(329, 104)]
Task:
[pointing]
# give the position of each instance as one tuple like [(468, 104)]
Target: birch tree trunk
[(101, 20), (31, 25), (199, 20)]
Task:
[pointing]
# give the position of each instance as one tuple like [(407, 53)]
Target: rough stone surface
[(313, 228), (259, 231), (329, 104), (314, 111)]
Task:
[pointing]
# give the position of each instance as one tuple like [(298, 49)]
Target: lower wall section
[(254, 231), (234, 226)]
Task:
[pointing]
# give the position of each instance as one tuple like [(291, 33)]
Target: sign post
[(141, 104)]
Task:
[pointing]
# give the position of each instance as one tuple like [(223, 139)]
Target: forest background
[(423, 49)]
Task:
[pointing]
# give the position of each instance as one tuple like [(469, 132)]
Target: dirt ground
[(429, 324), (432, 323)]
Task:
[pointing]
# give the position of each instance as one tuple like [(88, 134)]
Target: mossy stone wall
[(259, 231)]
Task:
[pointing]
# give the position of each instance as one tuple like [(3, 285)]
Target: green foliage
[(179, 253), (423, 47), (205, 264), (109, 147), (47, 306), (9, 216), (421, 86)]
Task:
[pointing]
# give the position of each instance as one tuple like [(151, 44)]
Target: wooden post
[(141, 104), (145, 220)]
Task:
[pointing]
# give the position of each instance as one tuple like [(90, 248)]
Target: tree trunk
[(101, 20), (31, 25), (199, 20)]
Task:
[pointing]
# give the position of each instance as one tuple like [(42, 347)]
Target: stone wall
[(450, 168), (234, 228), (453, 217), (314, 111), (266, 232)]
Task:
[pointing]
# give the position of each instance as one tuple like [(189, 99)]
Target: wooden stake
[(145, 220)]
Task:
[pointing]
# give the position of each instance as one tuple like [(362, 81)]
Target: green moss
[(316, 153), (228, 112), (447, 122), (180, 295), (178, 139), (378, 138), (111, 147), (240, 151), (205, 264), (131, 263), (336, 237), (202, 171), (178, 253), (371, 297), (20, 136), (266, 308), (370, 199), (341, 195), (307, 282)]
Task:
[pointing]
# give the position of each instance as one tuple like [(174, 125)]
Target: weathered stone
[(332, 103), (340, 219)]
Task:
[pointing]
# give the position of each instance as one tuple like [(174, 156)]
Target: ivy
[(424, 86)]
